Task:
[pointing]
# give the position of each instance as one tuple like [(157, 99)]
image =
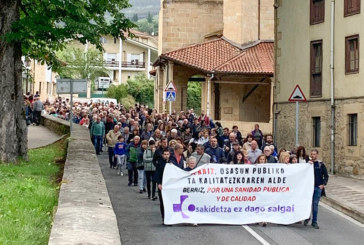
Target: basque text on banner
[(238, 194)]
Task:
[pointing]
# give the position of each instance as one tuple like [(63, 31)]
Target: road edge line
[(341, 214), (255, 235)]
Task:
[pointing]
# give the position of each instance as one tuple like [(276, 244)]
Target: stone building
[(317, 47), (227, 45)]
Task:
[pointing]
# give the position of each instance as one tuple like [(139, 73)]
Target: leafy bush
[(128, 102), (117, 91), (142, 89)]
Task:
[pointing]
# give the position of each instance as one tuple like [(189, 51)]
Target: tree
[(37, 29), (194, 96), (142, 89), (149, 17), (149, 27), (135, 18), (81, 65)]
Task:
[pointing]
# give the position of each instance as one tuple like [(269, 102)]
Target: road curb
[(344, 209)]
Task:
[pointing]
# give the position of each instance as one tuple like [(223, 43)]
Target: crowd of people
[(141, 141)]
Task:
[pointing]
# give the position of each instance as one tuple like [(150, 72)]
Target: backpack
[(148, 164)]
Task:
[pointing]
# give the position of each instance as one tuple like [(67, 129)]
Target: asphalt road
[(139, 222)]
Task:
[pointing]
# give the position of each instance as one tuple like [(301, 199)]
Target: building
[(38, 78), (135, 53), (228, 46), (318, 47)]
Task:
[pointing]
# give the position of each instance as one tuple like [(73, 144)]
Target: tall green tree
[(194, 96), (37, 29), (135, 18), (149, 17)]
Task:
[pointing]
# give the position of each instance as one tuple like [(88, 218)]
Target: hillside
[(142, 7)]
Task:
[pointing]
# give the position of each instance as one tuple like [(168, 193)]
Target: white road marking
[(342, 215), (255, 235)]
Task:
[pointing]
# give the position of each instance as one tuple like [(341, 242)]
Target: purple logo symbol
[(178, 207)]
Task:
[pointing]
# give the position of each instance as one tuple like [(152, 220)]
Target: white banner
[(238, 194)]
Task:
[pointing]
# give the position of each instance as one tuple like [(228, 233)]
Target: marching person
[(112, 139), (159, 178), (321, 179), (149, 169), (97, 133)]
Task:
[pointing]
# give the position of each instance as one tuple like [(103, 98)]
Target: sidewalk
[(346, 195), (39, 136)]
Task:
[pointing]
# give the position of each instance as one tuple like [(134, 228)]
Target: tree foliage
[(135, 18), (150, 27), (117, 92), (194, 96), (142, 89), (149, 17), (45, 26), (80, 64)]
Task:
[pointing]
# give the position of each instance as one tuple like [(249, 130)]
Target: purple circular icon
[(191, 208)]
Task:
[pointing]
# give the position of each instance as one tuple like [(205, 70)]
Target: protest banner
[(238, 194)]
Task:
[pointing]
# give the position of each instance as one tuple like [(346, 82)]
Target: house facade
[(126, 58), (228, 47), (318, 48), (123, 60), (39, 78)]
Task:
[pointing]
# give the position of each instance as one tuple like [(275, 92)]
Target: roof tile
[(223, 57)]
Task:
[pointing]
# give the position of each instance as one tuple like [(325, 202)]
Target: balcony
[(125, 64)]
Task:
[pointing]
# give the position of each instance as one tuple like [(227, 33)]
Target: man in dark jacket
[(159, 177), (216, 153), (158, 154), (321, 179)]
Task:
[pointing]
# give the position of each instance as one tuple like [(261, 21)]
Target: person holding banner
[(159, 177), (321, 179)]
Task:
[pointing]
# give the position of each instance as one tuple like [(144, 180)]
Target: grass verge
[(29, 194)]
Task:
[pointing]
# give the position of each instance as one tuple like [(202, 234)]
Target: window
[(353, 129), (351, 7), (316, 69), (352, 54), (316, 124), (103, 40), (317, 11)]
